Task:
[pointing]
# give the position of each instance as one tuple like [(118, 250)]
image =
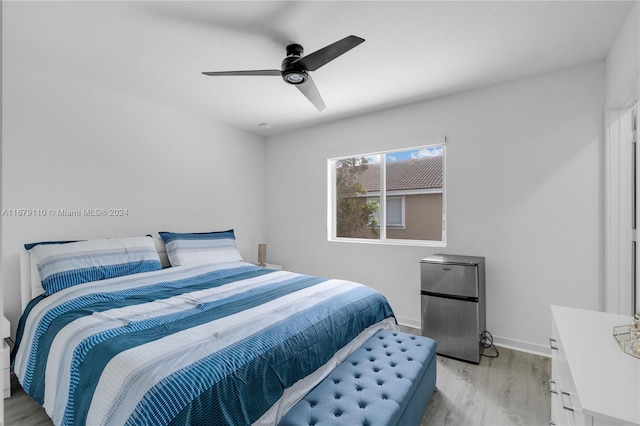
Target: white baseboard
[(408, 322), (503, 342), (521, 346)]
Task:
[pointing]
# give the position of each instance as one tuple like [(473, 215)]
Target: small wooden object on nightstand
[(270, 266), (6, 380), (273, 266)]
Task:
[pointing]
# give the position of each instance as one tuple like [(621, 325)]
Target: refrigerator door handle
[(450, 296)]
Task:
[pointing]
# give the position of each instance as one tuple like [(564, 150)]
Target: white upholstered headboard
[(30, 285)]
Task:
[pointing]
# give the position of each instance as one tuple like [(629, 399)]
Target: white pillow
[(64, 265), (199, 248)]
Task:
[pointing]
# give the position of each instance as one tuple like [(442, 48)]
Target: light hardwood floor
[(512, 389), (21, 409)]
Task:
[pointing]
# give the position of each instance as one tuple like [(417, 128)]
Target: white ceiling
[(414, 50)]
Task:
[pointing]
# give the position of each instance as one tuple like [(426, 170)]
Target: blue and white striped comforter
[(207, 344)]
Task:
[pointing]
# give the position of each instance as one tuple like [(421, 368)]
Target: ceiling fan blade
[(256, 72), (309, 89), (315, 60)]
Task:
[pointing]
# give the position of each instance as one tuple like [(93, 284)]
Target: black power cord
[(486, 341)]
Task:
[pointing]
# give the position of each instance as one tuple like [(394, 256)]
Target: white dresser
[(6, 379), (592, 381)]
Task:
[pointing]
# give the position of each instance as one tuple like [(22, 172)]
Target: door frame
[(621, 180)]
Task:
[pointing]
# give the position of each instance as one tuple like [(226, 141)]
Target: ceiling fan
[(295, 67)]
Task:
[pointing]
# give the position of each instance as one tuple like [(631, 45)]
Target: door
[(621, 210), (445, 278), (454, 325)]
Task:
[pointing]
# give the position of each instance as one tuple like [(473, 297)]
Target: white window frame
[(331, 202)]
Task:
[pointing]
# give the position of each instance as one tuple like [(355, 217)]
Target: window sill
[(388, 242)]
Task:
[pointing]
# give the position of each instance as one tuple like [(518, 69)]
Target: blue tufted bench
[(387, 381)]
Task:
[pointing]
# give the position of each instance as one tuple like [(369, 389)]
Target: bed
[(213, 340)]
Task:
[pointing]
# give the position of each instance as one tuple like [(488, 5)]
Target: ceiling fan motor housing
[(295, 50), (291, 73)]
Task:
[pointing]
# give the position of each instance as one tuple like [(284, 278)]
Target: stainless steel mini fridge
[(453, 304)]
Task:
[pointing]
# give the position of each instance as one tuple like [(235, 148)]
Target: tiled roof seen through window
[(420, 173)]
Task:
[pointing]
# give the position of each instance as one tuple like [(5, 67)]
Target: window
[(395, 211), (393, 197)]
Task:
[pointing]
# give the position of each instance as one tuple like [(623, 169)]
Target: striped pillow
[(64, 265), (198, 248)]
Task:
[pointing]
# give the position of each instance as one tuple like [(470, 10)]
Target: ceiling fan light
[(295, 77)]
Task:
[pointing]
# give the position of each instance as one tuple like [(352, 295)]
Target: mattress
[(227, 343)]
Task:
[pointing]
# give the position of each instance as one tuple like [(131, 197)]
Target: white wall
[(1, 285), (622, 92), (524, 176), (70, 145), (623, 64)]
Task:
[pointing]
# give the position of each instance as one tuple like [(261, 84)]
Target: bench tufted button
[(376, 369), (409, 359), (337, 413), (403, 350), (337, 396), (399, 376), (354, 363), (372, 359), (312, 403), (358, 388), (385, 396), (362, 404), (357, 376), (393, 364), (336, 381), (380, 382)]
